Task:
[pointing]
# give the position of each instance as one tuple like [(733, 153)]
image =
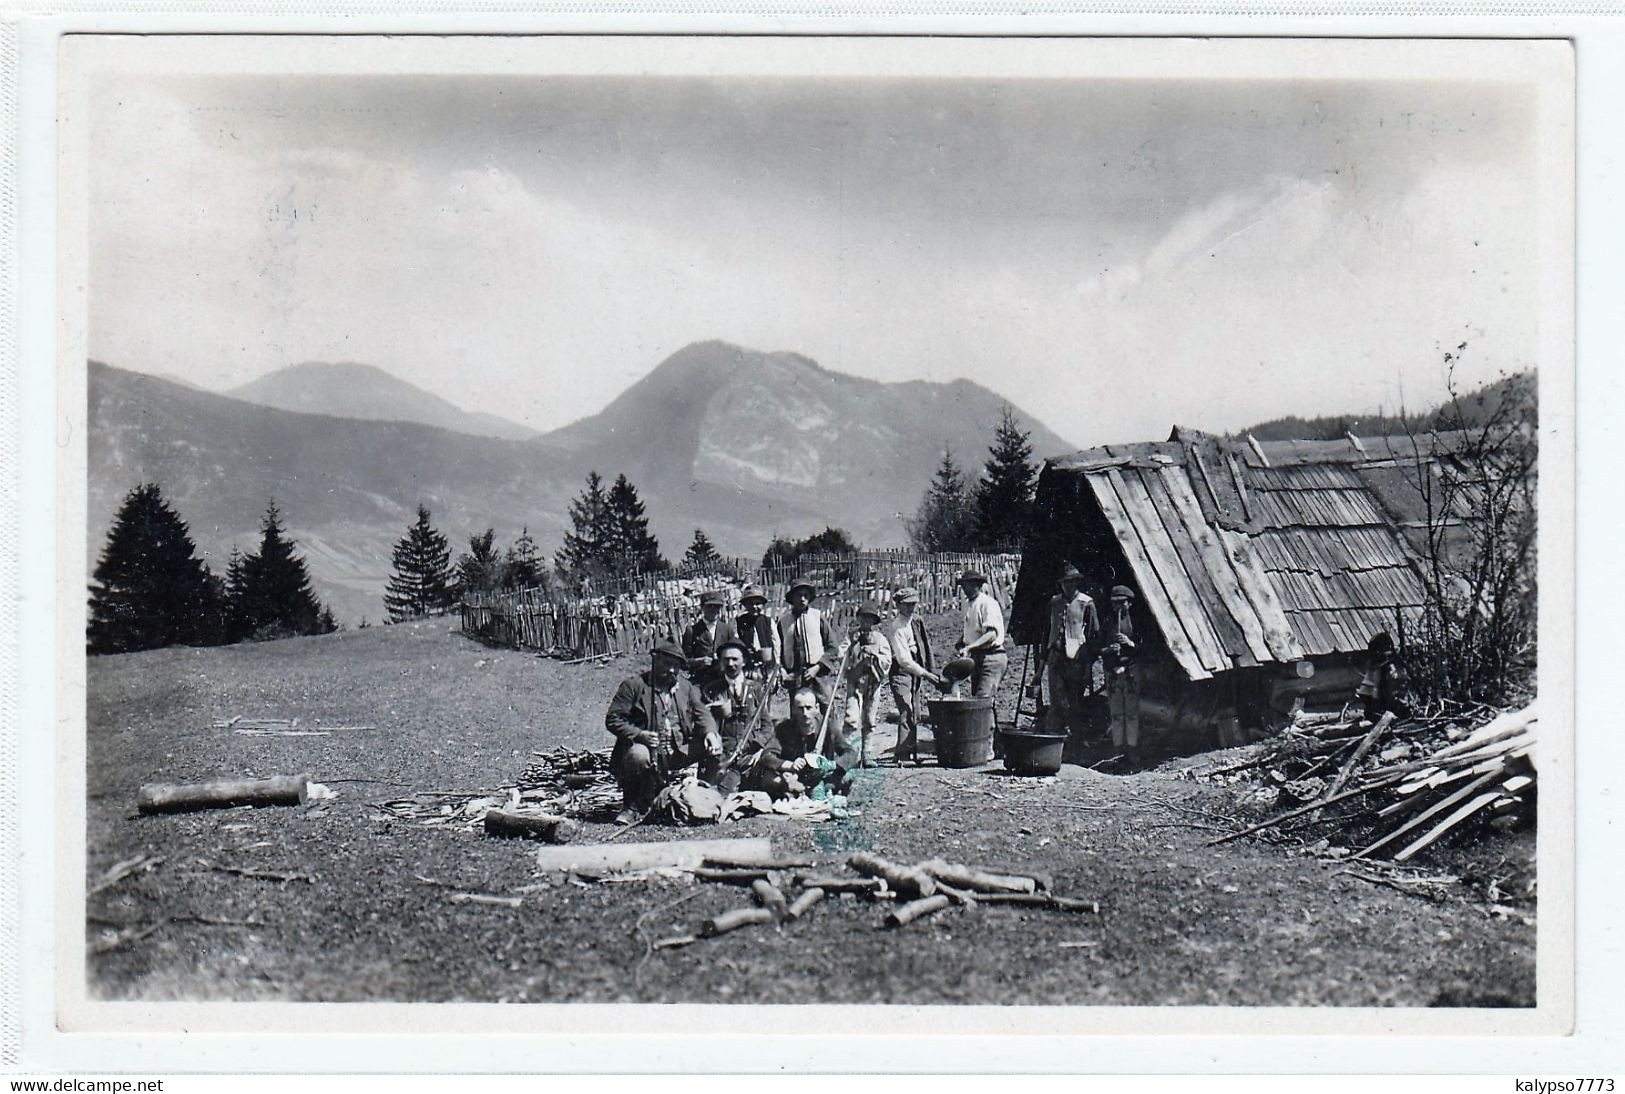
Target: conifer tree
[(276, 598), (586, 545), (524, 563), (945, 520), (235, 607), (421, 582), (481, 568), (1004, 495), (632, 549), (150, 589), (701, 555)]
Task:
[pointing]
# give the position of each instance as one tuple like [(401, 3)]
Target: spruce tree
[(945, 520), (150, 589), (586, 545), (421, 582), (277, 600), (701, 555), (237, 626), (523, 568), (632, 549), (481, 569), (1004, 495)]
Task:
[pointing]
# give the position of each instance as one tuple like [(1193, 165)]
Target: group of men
[(716, 718), (1079, 638)]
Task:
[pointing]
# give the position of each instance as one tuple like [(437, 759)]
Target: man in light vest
[(807, 647)]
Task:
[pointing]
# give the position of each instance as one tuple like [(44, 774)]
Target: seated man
[(739, 706), (786, 765), (661, 725)]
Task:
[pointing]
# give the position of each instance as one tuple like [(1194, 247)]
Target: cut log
[(732, 921), (770, 897), (804, 903), (547, 827), (680, 853), (906, 880), (842, 884), (977, 881), (221, 794), (730, 875), (905, 914)]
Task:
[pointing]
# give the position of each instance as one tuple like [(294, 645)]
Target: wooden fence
[(650, 608)]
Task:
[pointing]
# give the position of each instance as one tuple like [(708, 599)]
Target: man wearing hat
[(911, 665), (806, 646), (868, 662), (709, 631), (756, 631), (1122, 685), (739, 705), (661, 725), (1074, 636), (982, 636)]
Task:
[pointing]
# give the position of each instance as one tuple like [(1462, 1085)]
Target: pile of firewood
[(579, 778), (1404, 790), (910, 893)]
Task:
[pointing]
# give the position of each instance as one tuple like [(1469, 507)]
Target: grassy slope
[(1246, 923)]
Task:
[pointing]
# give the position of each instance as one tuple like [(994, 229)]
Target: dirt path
[(1181, 922)]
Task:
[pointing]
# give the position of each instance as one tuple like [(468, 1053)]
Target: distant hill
[(347, 488), (1473, 408), (363, 391), (743, 444), (715, 424)]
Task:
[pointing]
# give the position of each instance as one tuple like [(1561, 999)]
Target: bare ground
[(1181, 922)]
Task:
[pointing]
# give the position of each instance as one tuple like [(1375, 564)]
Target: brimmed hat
[(1070, 573), (752, 592), (973, 575), (671, 651), (872, 608), (714, 596), (908, 594), (800, 583), (731, 644), (1122, 592)]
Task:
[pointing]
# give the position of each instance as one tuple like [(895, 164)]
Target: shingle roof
[(1255, 552)]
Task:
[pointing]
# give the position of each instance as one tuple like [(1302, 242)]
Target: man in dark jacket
[(786, 765), (661, 725), (706, 635), (755, 630)]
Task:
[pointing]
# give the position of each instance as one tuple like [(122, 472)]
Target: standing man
[(738, 705), (661, 725), (1074, 635), (755, 629), (709, 631), (982, 637), (868, 662), (806, 647), (911, 665), (1122, 685)]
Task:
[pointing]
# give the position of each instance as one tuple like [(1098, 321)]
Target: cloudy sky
[(1113, 255)]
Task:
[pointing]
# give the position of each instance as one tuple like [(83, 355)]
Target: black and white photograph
[(1061, 525)]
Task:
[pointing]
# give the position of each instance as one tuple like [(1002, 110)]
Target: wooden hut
[(1263, 569)]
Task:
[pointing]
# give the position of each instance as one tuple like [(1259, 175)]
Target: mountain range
[(741, 443)]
